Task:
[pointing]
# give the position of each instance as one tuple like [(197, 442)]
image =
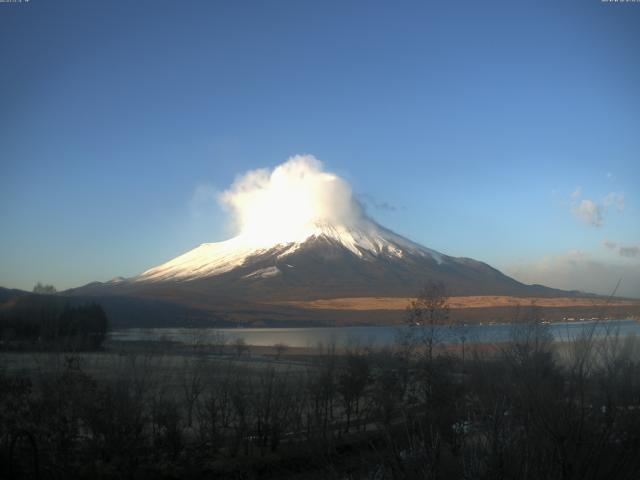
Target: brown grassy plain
[(486, 301)]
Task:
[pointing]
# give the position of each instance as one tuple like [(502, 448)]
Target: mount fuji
[(325, 261), (302, 237), (243, 278)]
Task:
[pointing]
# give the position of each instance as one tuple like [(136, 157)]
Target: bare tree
[(43, 289), (427, 314), (461, 331), (215, 411), (192, 385), (240, 346), (219, 340), (280, 349), (352, 382)]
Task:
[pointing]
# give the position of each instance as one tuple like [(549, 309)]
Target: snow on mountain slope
[(210, 259)]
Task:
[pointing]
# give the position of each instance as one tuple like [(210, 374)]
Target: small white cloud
[(589, 212), (611, 177), (368, 200), (616, 199), (593, 213), (632, 251)]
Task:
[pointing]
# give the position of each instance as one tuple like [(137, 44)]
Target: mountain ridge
[(249, 279), (326, 263)]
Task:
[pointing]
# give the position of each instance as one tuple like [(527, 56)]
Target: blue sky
[(475, 121)]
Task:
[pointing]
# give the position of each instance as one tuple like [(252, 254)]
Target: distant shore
[(461, 302)]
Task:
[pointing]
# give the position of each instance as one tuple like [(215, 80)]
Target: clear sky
[(504, 131)]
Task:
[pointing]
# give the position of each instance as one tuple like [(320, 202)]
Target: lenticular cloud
[(293, 197)]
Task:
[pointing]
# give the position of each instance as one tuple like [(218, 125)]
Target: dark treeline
[(46, 322), (529, 409)]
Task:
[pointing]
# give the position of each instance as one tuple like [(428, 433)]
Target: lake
[(365, 335)]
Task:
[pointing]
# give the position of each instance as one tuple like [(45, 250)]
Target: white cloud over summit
[(289, 199)]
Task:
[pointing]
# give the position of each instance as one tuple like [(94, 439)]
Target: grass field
[(487, 301)]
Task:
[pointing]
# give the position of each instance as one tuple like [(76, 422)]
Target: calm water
[(375, 336)]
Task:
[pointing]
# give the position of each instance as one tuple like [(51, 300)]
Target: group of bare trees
[(42, 322), (530, 408), (152, 412)]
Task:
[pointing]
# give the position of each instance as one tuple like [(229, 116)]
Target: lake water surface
[(374, 336)]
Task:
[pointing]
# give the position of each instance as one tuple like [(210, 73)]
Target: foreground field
[(165, 410)]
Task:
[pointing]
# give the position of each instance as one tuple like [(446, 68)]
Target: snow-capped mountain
[(321, 261), (367, 241), (303, 236), (245, 281)]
